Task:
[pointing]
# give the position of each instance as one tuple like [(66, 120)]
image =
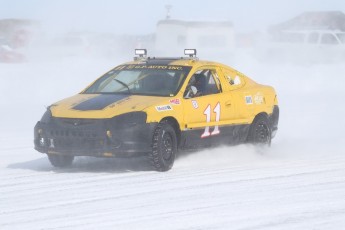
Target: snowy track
[(299, 183), (253, 192)]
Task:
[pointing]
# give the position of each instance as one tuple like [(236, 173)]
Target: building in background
[(211, 38)]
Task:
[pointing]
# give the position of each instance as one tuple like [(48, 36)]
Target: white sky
[(140, 17)]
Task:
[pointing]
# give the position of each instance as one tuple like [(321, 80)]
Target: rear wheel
[(260, 132), (164, 147), (60, 161)]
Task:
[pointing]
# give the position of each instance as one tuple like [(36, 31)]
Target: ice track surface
[(298, 183)]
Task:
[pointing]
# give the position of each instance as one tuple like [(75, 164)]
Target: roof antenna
[(168, 8)]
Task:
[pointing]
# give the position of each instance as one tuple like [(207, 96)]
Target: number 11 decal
[(207, 113)]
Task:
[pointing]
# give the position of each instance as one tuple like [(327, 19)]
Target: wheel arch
[(257, 117), (262, 114), (174, 123)]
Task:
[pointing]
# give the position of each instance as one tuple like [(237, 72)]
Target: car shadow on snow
[(88, 164)]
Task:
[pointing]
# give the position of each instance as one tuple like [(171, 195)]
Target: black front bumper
[(93, 137)]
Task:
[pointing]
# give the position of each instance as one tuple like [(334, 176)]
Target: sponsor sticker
[(258, 99), (162, 108), (175, 101), (195, 104), (168, 67), (249, 100)]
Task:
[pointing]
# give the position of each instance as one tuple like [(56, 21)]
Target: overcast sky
[(140, 17)]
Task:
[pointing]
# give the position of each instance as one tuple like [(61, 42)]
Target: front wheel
[(260, 132), (60, 161), (164, 147)]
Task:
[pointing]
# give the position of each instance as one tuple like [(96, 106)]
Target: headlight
[(46, 116), (190, 52), (128, 120), (39, 139), (140, 52)]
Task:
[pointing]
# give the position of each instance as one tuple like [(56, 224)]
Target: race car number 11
[(207, 113)]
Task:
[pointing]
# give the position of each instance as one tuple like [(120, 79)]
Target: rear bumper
[(274, 119), (93, 139)]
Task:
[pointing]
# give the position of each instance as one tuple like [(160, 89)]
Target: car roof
[(193, 62)]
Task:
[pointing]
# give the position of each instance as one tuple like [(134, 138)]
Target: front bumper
[(92, 137)]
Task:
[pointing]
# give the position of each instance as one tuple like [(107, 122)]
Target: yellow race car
[(157, 106)]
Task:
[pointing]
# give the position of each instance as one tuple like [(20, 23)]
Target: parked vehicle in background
[(308, 45), (9, 55)]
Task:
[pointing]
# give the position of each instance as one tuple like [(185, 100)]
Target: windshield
[(155, 80)]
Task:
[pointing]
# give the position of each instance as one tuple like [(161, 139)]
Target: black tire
[(164, 147), (260, 132), (60, 161)]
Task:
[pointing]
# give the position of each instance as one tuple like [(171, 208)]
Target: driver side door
[(205, 114)]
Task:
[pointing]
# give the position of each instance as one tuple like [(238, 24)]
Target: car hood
[(102, 105)]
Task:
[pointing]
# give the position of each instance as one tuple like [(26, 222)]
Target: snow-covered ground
[(298, 183)]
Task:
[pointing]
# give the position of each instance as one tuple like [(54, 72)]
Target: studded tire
[(60, 161), (260, 131), (164, 147)]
